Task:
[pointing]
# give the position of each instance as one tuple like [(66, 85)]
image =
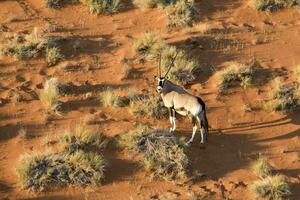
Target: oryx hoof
[(188, 143)]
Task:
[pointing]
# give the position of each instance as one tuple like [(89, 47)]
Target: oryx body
[(177, 100)]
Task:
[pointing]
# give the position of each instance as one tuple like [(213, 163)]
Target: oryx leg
[(202, 128), (174, 119), (171, 118), (194, 130)]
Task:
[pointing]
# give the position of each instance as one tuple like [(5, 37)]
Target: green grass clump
[(235, 74), (273, 5), (82, 138), (103, 6), (272, 187), (261, 167), (284, 97), (150, 106), (50, 95), (180, 14), (53, 56), (149, 44)]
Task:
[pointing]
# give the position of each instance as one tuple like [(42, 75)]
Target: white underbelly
[(182, 112)]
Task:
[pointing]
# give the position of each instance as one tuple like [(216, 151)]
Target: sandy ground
[(236, 136)]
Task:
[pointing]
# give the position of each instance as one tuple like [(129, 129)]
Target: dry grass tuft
[(50, 95), (108, 98), (235, 74), (272, 187), (53, 56), (261, 167)]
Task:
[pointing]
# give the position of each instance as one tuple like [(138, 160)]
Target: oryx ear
[(156, 78)]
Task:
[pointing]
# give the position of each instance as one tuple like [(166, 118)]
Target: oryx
[(177, 100)]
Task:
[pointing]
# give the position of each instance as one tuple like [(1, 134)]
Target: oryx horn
[(171, 64)]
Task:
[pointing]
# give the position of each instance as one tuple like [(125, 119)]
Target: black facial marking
[(161, 82)]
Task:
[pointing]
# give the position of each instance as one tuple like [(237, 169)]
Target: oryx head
[(161, 80)]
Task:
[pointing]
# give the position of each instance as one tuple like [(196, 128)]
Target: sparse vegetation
[(54, 4), (103, 6), (284, 97), (147, 3), (235, 74), (53, 55), (24, 47), (261, 167), (180, 14), (273, 5), (272, 187), (50, 95)]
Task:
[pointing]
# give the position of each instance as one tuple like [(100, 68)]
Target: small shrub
[(162, 155), (103, 6), (53, 56), (180, 14), (284, 97), (41, 172), (272, 187), (273, 5), (150, 106), (149, 45), (82, 138), (235, 74), (261, 167), (50, 95)]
